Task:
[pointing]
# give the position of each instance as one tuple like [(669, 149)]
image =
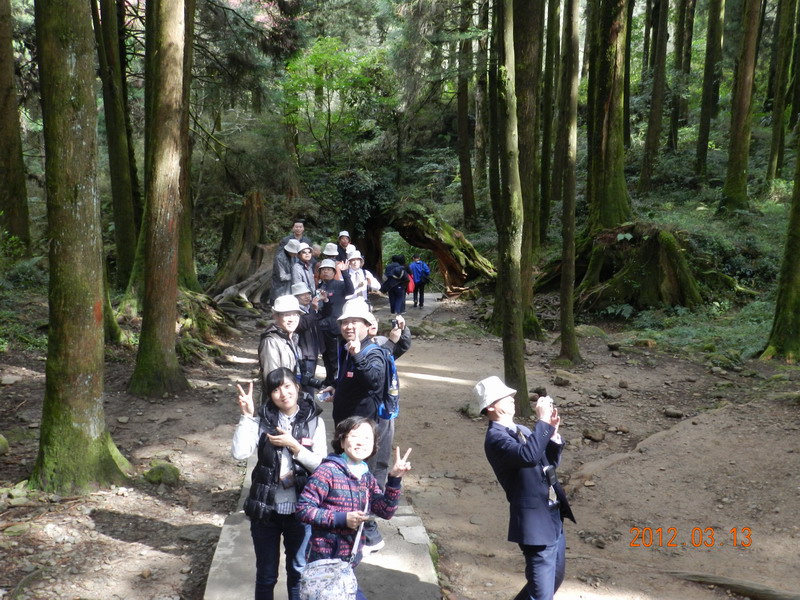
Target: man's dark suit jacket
[(519, 467)]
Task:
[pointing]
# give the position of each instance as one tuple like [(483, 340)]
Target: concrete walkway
[(402, 570)]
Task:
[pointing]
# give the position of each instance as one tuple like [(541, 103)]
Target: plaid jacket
[(330, 493)]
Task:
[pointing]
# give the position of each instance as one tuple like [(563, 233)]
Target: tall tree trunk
[(607, 193), (677, 83), (157, 370), (481, 101), (712, 73), (75, 448), (734, 193), (626, 102), (125, 233), (464, 142), (138, 201), (510, 228), (568, 128), (587, 38), (187, 271), (13, 192), (648, 30), (527, 35), (794, 86), (549, 100), (686, 66), (784, 339), (653, 138), (785, 31)]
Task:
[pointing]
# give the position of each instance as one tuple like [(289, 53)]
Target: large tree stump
[(246, 255), (636, 264)]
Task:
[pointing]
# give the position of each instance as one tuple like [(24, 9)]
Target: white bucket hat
[(292, 246), (327, 264), (357, 309), (344, 234), (354, 255), (285, 304), (488, 391), (303, 246), (330, 250), (300, 288), (350, 249)]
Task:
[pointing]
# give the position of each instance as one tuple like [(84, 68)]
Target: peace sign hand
[(401, 465), (246, 400)]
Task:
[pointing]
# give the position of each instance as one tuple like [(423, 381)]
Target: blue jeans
[(267, 544), (544, 569)]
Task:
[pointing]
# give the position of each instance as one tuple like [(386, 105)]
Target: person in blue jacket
[(421, 273), (524, 463)]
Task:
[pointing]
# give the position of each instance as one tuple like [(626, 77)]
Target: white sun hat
[(488, 391)]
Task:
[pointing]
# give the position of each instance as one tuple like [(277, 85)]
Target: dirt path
[(730, 463)]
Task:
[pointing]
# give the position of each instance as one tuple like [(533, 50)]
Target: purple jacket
[(331, 492)]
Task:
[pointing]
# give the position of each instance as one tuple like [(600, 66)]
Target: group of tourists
[(323, 505)]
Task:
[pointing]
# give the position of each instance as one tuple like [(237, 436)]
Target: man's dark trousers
[(544, 568)]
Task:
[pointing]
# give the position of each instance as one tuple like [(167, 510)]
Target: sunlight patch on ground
[(437, 378)]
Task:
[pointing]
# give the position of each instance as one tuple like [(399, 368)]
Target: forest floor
[(662, 452)]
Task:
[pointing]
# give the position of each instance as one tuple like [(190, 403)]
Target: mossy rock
[(163, 472), (585, 331), (3, 445), (725, 360)]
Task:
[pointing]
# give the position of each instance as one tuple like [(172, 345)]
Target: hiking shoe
[(367, 550)]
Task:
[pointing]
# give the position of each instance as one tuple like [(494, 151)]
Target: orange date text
[(697, 537)]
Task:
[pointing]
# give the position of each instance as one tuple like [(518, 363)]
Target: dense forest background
[(636, 158)]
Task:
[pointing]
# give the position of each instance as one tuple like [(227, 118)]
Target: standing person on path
[(342, 244), (278, 346), (333, 293), (395, 281), (334, 498), (524, 463), (359, 391), (303, 270), (298, 231), (363, 280), (289, 436), (422, 274), (307, 335), (282, 265)]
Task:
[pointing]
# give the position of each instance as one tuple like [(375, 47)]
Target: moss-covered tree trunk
[(479, 179), (734, 192), (528, 49), (682, 57), (462, 93), (509, 229), (75, 449), (568, 124), (187, 270), (607, 193), (626, 93), (549, 103), (652, 140), (783, 54), (784, 339), (125, 229), (458, 259), (712, 74), (13, 192), (157, 370)]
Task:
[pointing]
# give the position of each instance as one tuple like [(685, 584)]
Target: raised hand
[(401, 465), (246, 400)]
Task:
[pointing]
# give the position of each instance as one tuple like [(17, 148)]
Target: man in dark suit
[(524, 462)]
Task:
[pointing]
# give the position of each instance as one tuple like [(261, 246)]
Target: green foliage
[(713, 330), (338, 98)]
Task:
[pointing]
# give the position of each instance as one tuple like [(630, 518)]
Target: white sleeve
[(311, 459), (245, 437)]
